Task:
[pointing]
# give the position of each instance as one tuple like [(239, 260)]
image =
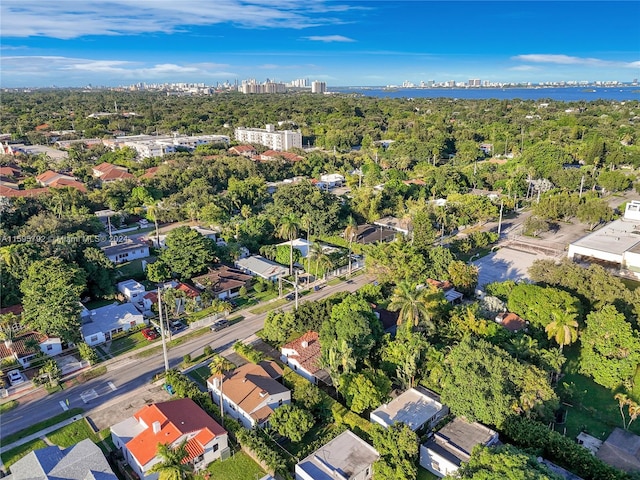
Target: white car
[(15, 377)]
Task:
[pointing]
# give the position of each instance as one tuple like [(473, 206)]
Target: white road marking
[(63, 405), (88, 395), (112, 386)]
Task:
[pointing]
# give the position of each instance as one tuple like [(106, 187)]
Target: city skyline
[(121, 42)]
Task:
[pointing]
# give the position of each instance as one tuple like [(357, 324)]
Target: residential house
[(59, 180), (100, 325), (243, 150), (274, 155), (345, 457), (126, 252), (150, 173), (332, 180), (82, 461), (224, 282), (250, 393), (257, 265), (512, 322), (445, 451), (621, 450), (303, 357), (400, 225), (451, 295), (20, 348), (149, 299), (21, 148), (169, 423), (132, 290), (416, 407), (8, 192), (108, 172), (10, 176)]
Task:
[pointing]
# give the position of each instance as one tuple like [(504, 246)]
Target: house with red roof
[(250, 393), (274, 155), (8, 192), (302, 355), (108, 172), (23, 349), (150, 172), (512, 322), (223, 281), (59, 180), (169, 423), (244, 150)]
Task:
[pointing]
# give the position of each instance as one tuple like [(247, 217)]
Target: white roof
[(616, 237), (415, 407), (261, 266), (111, 317)]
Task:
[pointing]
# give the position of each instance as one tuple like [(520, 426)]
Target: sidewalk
[(41, 433)]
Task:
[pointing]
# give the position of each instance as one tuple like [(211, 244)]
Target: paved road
[(128, 374)]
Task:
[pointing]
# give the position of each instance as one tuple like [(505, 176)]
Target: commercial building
[(280, 140), (318, 87)]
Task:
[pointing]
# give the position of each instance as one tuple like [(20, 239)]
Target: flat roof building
[(416, 408), (281, 140)]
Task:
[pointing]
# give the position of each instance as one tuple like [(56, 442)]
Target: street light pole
[(164, 340)]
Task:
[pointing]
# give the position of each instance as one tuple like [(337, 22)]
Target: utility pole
[(164, 340), (500, 219), (296, 288), (581, 186)]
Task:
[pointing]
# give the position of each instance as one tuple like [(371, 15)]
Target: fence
[(208, 320), (545, 247)]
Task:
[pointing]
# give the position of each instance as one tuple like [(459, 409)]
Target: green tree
[(101, 273), (87, 353), (291, 421), (505, 462), (218, 366), (563, 328), (288, 230), (51, 298), (610, 350), (51, 370), (484, 383), (158, 272), (415, 305), (593, 211), (406, 355), (308, 395), (173, 465), (188, 253), (398, 448), (364, 390), (279, 326), (463, 276)]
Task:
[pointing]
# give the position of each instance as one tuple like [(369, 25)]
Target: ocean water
[(562, 94)]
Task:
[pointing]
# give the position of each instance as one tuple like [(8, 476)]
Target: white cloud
[(524, 68), (68, 19), (330, 38), (570, 60), (67, 66)]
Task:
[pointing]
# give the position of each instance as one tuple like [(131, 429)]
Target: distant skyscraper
[(318, 87), (474, 82)]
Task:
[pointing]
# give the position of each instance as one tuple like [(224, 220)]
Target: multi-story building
[(276, 140), (318, 87)]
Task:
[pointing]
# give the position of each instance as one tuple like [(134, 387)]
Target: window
[(94, 338), (215, 447), (435, 465), (49, 347), (279, 402)]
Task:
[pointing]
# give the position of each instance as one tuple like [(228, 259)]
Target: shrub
[(208, 351), (259, 287), (248, 352), (186, 359)]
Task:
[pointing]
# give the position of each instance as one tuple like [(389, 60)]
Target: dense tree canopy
[(188, 253)]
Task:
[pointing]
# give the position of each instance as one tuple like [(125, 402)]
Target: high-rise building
[(269, 137), (474, 82), (318, 87)]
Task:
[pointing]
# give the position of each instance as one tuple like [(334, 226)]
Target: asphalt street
[(128, 374)]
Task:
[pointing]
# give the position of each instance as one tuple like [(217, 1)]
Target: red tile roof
[(47, 176), (292, 157), (12, 192), (307, 348), (511, 322), (189, 290), (115, 174), (63, 182), (150, 172), (177, 418), (240, 149), (9, 171), (19, 345)]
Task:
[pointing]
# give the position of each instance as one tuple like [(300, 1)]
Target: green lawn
[(39, 426), (238, 467), (269, 306), (132, 269), (10, 405), (200, 375), (424, 474), (12, 456), (72, 434), (130, 342)]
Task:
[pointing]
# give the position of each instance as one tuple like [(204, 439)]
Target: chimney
[(156, 427)]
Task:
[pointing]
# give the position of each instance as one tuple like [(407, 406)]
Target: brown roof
[(63, 182), (511, 322), (177, 418), (307, 348), (49, 176), (223, 278), (246, 386), (19, 345), (150, 172), (10, 171), (12, 192), (240, 149), (15, 309), (446, 285), (292, 157), (115, 174), (190, 291)]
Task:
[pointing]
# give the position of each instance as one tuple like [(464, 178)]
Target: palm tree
[(173, 464), (412, 304), (218, 367), (564, 328), (153, 211), (622, 401), (634, 411), (288, 230), (350, 233), (315, 254)]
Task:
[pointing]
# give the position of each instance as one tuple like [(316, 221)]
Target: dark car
[(177, 326), (149, 334), (291, 296), (219, 325)]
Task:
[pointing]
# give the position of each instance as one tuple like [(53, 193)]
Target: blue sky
[(120, 42)]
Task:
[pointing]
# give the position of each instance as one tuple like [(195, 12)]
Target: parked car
[(15, 377), (219, 325), (291, 296), (177, 326), (149, 334)]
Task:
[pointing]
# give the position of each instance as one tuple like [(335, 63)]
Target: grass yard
[(238, 467), (131, 342), (200, 375), (10, 405), (269, 306), (12, 456), (424, 474), (39, 426), (132, 269), (72, 434)]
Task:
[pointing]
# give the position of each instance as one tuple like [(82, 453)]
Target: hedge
[(248, 352)]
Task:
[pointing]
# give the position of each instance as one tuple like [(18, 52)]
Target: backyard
[(238, 467)]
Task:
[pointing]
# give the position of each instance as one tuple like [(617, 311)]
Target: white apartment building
[(281, 140), (149, 146), (318, 87)]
